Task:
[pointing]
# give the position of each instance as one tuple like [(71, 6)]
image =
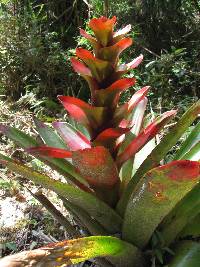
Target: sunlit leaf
[(155, 196), (190, 141), (146, 135), (73, 138), (48, 135), (124, 110), (118, 35)]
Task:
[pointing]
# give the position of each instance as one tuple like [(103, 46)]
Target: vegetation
[(38, 37), (135, 204)]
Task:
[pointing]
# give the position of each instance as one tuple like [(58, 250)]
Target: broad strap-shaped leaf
[(100, 69), (146, 135), (111, 53), (84, 113), (103, 29), (190, 141), (136, 121), (95, 207), (118, 35), (72, 137), (160, 151), (24, 140), (124, 110), (110, 95), (51, 152), (194, 153), (187, 254), (84, 219), (180, 216), (48, 135), (155, 196), (137, 116), (64, 167), (192, 228), (68, 252)]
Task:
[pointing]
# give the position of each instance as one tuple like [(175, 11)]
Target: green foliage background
[(37, 39)]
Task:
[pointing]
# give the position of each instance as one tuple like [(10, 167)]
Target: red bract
[(103, 29)]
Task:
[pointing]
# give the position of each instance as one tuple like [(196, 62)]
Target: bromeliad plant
[(132, 211)]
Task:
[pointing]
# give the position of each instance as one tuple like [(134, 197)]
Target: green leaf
[(85, 219), (194, 153), (155, 196), (187, 254), (181, 215), (160, 152), (49, 136), (78, 250), (191, 140), (96, 208), (192, 229)]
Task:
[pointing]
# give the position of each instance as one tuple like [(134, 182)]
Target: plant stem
[(106, 7)]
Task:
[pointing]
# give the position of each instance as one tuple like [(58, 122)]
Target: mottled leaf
[(181, 215), (97, 166), (155, 196), (65, 253)]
